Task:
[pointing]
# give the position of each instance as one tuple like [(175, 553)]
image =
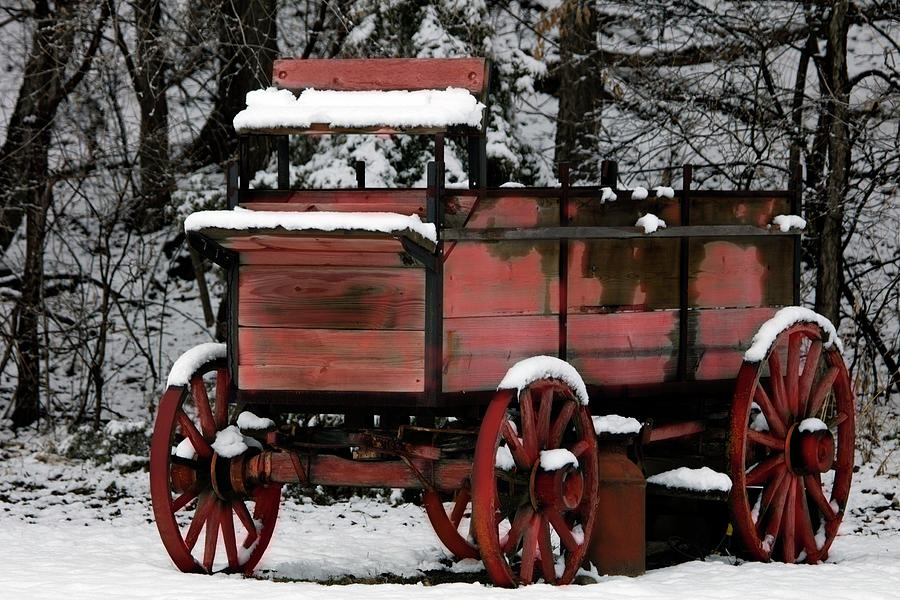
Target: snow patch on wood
[(812, 424), (243, 219), (188, 363), (559, 458), (249, 421), (703, 479), (787, 222), (783, 319), (272, 108), (615, 424), (650, 223), (529, 370)]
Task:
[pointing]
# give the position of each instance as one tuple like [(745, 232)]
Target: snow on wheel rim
[(791, 475)]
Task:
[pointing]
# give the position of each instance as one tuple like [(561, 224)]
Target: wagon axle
[(809, 452)]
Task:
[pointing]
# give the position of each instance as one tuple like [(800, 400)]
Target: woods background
[(115, 119)]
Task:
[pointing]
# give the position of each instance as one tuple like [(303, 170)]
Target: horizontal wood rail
[(601, 233)]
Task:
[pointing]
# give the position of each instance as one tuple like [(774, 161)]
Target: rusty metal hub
[(809, 452)]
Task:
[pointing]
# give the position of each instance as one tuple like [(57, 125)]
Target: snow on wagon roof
[(243, 219), (274, 108)]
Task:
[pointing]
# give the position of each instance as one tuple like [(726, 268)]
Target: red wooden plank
[(734, 208), (332, 298), (514, 211), (414, 208), (331, 360), (478, 351), (364, 257), (242, 242), (737, 273), (614, 275), (623, 212), (501, 278), (624, 348), (381, 74), (718, 338)]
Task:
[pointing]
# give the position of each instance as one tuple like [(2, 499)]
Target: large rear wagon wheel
[(791, 448), (205, 526), (529, 520), (451, 520)]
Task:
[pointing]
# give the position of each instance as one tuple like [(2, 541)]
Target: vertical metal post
[(564, 211), (244, 162), (434, 289), (477, 161), (360, 167), (684, 266), (796, 187), (231, 183), (284, 163), (609, 174)]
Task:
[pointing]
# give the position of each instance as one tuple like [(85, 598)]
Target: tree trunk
[(247, 48), (150, 86), (830, 252), (578, 119)]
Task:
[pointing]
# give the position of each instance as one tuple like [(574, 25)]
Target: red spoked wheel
[(190, 485), (532, 521), (791, 448), (451, 521)]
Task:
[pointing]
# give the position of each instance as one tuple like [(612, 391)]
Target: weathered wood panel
[(718, 338), (333, 298), (624, 348), (614, 275), (331, 360), (501, 278), (735, 208), (478, 351), (741, 272), (622, 212), (381, 74), (306, 251), (493, 211)]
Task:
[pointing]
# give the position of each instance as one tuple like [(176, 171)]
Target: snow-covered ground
[(70, 529)]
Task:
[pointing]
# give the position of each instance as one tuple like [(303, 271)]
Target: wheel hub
[(809, 452), (561, 489)]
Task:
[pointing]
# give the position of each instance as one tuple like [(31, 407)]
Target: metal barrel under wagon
[(415, 304)]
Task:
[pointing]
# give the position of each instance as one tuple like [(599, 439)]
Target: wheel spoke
[(529, 550), (789, 544), (212, 536), (204, 506), (188, 430), (763, 471), (773, 418), (817, 398), (459, 506), (558, 430), (765, 439), (814, 488), (809, 373), (516, 530), (580, 447), (228, 537), (548, 565), (804, 525), (529, 433), (223, 390), (776, 380), (562, 529), (204, 412), (183, 500), (240, 509), (793, 371), (520, 455), (543, 417), (779, 501), (769, 494)]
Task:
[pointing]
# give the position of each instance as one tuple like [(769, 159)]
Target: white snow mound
[(504, 459), (248, 420), (192, 360), (529, 370), (812, 424), (608, 195), (615, 424), (639, 193), (703, 479), (784, 318), (663, 191), (272, 108), (559, 458), (650, 223), (787, 222), (241, 218)]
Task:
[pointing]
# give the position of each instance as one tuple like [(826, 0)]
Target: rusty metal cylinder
[(618, 546)]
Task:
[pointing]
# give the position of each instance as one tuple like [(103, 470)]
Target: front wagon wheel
[(205, 526), (791, 448)]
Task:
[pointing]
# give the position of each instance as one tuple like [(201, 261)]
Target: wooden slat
[(738, 208), (507, 278), (613, 275), (381, 74), (718, 338), (623, 212), (624, 348), (479, 351), (331, 360), (514, 211), (333, 298), (741, 273), (278, 237), (366, 257)]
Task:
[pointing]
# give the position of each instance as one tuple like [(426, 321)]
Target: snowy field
[(72, 530)]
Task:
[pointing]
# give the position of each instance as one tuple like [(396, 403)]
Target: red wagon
[(417, 304)]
